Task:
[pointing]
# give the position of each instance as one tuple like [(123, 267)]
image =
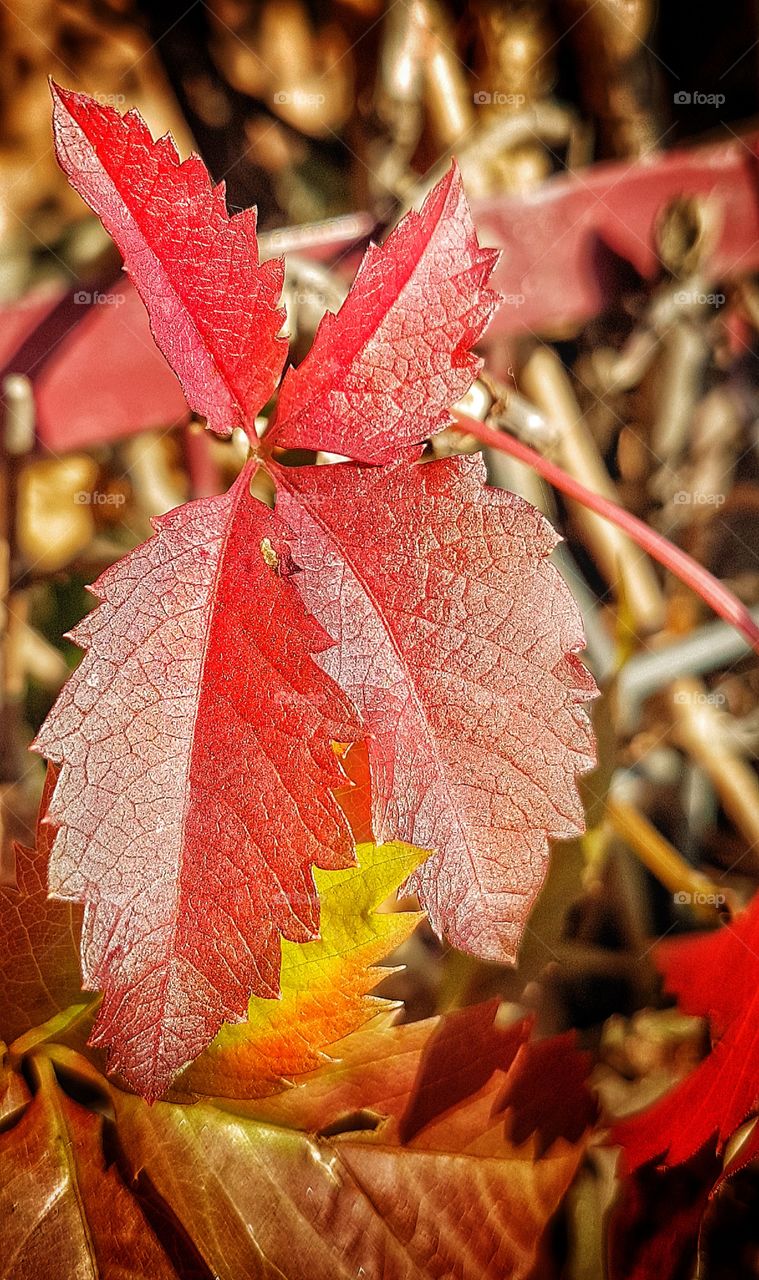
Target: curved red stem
[(688, 570)]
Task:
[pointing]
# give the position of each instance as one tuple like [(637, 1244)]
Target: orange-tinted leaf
[(265, 1200), (419, 1074), (64, 1212), (39, 958), (355, 797), (373, 1070)]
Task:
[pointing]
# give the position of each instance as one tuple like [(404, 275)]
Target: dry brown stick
[(697, 728), (662, 858), (546, 383), (684, 358)]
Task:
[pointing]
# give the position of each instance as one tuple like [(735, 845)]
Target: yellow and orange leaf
[(325, 984)]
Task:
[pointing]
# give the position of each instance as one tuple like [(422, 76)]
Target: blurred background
[(612, 151)]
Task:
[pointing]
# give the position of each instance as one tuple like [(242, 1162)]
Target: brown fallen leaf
[(65, 1213), (265, 1201), (39, 960), (317, 1181)]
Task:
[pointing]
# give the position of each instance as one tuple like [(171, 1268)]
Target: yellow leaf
[(324, 984)]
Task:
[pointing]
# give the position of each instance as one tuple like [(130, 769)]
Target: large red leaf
[(194, 792), (715, 975), (194, 795), (382, 374), (457, 643), (213, 308)]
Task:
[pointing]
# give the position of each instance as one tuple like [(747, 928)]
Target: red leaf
[(213, 308), (533, 1099), (106, 378), (382, 374), (458, 1060), (716, 976), (195, 790), (570, 244), (39, 960), (194, 793), (457, 647), (654, 1228)]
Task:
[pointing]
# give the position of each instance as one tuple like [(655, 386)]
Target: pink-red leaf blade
[(194, 794), (457, 645), (213, 308), (382, 373)]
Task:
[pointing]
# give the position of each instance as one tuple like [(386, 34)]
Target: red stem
[(660, 548)]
